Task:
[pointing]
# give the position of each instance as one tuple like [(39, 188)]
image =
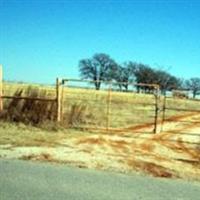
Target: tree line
[(101, 67)]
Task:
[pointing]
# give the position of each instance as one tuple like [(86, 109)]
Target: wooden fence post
[(62, 101), (1, 88), (58, 99), (108, 107)]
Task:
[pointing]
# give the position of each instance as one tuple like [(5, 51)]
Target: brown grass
[(150, 168), (149, 147), (29, 111), (193, 153), (41, 157), (98, 141), (76, 115)]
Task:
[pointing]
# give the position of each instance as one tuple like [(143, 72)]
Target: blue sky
[(40, 40)]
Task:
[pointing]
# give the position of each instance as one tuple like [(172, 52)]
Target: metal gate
[(117, 107), (181, 115)]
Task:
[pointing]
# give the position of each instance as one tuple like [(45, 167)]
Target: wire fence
[(28, 103), (109, 108), (117, 107), (181, 118)]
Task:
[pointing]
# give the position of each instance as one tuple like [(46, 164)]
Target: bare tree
[(99, 68), (146, 74), (125, 74), (194, 85)]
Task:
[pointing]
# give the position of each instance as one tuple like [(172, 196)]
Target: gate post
[(58, 100), (163, 112), (156, 110), (1, 88)]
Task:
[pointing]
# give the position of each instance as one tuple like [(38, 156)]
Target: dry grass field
[(84, 108), (89, 108), (173, 153)]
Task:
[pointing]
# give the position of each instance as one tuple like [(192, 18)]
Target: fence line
[(185, 115), (119, 108), (27, 98), (59, 100)]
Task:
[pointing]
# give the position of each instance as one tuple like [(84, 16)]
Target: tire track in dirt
[(179, 145)]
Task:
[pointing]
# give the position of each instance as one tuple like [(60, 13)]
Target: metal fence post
[(1, 88), (156, 110), (163, 112)]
